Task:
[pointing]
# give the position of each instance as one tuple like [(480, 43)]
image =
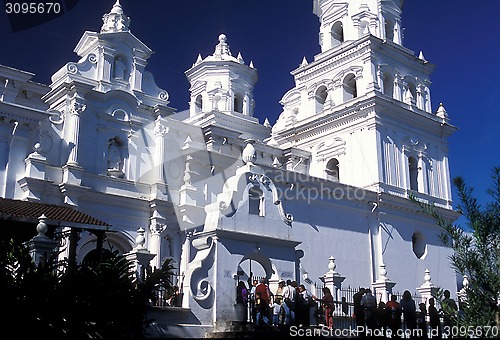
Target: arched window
[(238, 103), (413, 168), (349, 86), (332, 170), (363, 28), (419, 245), (337, 34), (255, 202), (388, 85), (320, 98), (198, 104), (389, 29), (410, 93)]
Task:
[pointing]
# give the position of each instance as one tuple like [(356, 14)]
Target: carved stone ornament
[(56, 117), (160, 129), (249, 154)]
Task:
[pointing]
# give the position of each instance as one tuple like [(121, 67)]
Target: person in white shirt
[(276, 308), (289, 294)]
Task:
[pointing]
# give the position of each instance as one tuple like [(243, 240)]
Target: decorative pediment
[(198, 86), (330, 11), (413, 144), (364, 14), (356, 70), (311, 91), (331, 147), (292, 97)]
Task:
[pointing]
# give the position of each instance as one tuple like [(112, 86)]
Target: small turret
[(116, 20), (222, 82)]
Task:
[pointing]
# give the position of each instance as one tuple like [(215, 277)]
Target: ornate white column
[(19, 148), (398, 90), (138, 67), (185, 258), (338, 92), (373, 83), (160, 131), (423, 183), (156, 228), (421, 97), (73, 128), (6, 130), (397, 38), (380, 80), (186, 252)]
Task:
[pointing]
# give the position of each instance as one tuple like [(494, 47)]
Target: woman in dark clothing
[(434, 319), (328, 306)]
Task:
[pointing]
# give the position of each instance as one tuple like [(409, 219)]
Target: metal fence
[(343, 315)]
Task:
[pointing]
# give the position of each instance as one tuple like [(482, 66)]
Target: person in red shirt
[(264, 291), (393, 310), (265, 295)]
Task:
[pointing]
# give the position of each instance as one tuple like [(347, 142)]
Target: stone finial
[(116, 20), (421, 56), (441, 112), (41, 227), (240, 58), (427, 278), (140, 240), (198, 60), (382, 272), (276, 163), (222, 47), (332, 265), (249, 154), (465, 282)]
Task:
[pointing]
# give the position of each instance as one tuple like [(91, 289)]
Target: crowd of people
[(402, 318), (290, 304), (293, 304)]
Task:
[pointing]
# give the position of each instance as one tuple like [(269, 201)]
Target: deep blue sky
[(460, 37)]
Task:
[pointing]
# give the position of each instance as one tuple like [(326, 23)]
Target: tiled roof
[(33, 210)]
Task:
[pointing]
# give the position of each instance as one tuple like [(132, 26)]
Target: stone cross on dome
[(116, 20)]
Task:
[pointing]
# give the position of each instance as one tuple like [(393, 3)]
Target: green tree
[(96, 299), (476, 252)]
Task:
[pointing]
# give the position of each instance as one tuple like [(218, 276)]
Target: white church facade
[(226, 196)]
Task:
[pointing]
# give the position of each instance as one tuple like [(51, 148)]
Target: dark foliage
[(476, 252), (97, 299)]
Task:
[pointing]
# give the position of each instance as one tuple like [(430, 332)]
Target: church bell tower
[(362, 106)]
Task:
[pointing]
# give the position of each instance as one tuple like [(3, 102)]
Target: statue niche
[(114, 159), (119, 69)]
